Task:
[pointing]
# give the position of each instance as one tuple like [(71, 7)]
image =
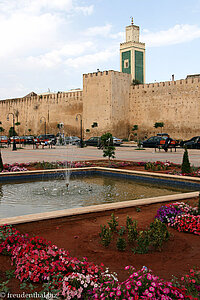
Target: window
[(126, 63)]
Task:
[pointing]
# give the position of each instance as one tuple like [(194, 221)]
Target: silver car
[(116, 141)]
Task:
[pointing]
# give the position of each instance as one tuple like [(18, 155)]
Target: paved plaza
[(73, 153)]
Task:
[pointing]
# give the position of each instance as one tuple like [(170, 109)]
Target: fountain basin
[(86, 173)]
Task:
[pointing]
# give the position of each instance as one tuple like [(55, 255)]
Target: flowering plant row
[(181, 216), (15, 167), (37, 260), (154, 166)]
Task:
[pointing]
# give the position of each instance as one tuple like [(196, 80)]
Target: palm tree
[(159, 124)]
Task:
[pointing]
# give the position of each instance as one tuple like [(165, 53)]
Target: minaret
[(132, 54)]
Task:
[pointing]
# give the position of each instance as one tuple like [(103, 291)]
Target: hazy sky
[(48, 44)]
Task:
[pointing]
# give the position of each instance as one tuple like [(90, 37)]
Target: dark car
[(29, 139), (47, 138), (194, 143), (191, 141), (93, 141), (156, 141)]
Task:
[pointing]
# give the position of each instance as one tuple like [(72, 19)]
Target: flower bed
[(37, 260), (158, 166), (180, 216)]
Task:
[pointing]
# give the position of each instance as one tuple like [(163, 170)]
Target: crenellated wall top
[(70, 94), (188, 81), (105, 73)]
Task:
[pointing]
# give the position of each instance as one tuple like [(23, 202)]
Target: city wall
[(175, 103), (33, 111), (106, 103), (109, 101)]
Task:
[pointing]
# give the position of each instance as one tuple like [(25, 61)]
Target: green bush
[(132, 232), (113, 223), (105, 235), (121, 244), (107, 144), (142, 242), (158, 234), (122, 230), (185, 167), (129, 221)]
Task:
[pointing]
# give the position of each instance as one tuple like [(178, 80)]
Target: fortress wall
[(109, 100), (105, 101), (120, 104), (55, 108), (176, 103)]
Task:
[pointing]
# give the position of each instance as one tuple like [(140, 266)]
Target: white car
[(116, 141), (74, 140)]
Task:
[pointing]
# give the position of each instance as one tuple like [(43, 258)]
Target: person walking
[(167, 143)]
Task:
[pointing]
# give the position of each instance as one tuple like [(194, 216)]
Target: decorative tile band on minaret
[(132, 54)]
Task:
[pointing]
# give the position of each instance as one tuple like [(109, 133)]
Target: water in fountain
[(51, 195)]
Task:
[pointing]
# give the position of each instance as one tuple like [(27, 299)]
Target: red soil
[(80, 236)]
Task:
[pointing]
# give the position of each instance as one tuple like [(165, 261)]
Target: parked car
[(16, 138), (116, 141), (29, 139), (194, 143), (74, 140), (156, 141), (3, 139), (22, 139), (191, 141), (93, 141), (47, 138)]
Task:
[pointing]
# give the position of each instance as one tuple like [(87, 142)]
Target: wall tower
[(132, 54)]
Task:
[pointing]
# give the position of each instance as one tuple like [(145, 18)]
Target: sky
[(47, 45)]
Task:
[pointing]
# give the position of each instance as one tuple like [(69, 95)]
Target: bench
[(159, 147)]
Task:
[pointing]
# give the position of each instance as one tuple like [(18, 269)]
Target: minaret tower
[(132, 54)]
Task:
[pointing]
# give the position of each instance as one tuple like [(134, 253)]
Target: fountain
[(73, 192)]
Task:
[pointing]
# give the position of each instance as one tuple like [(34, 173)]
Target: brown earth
[(80, 236)]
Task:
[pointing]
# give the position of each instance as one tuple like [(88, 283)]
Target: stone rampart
[(106, 102), (176, 103), (109, 101), (55, 108)]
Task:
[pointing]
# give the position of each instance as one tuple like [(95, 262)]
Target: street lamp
[(45, 125), (81, 128), (14, 142)]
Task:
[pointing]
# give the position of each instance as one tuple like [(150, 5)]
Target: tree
[(136, 82), (185, 167), (159, 124), (135, 128), (12, 132), (29, 130), (107, 145), (17, 124)]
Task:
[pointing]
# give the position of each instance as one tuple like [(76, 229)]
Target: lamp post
[(81, 129), (14, 142), (45, 125)]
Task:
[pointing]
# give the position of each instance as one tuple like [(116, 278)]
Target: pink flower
[(139, 283), (118, 293)]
